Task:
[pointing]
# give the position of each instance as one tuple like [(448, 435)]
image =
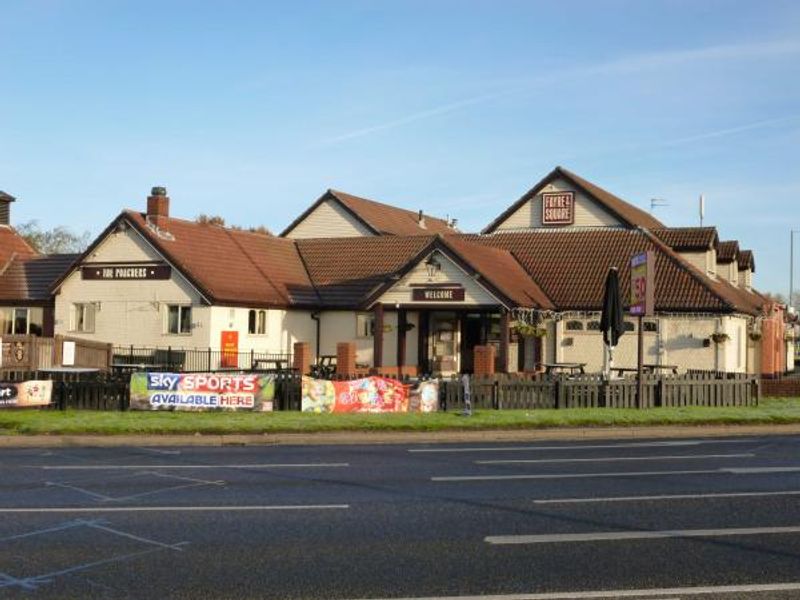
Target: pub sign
[(558, 208), (130, 271), (643, 284)]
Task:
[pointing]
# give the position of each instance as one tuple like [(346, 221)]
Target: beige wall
[(132, 312), (340, 326), (474, 292), (705, 262), (746, 279), (284, 328), (329, 219), (587, 212)]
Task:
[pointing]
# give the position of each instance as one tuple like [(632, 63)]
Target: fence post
[(561, 393), (658, 401), (496, 394), (209, 358)]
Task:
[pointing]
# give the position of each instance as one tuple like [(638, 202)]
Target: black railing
[(196, 360)]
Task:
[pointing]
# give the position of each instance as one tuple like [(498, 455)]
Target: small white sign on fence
[(68, 354)]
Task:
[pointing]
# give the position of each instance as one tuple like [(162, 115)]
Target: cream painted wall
[(746, 279), (284, 328), (132, 312), (705, 262), (729, 272), (340, 326), (474, 292), (587, 212), (329, 219)]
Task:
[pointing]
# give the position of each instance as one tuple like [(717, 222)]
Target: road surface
[(701, 518)]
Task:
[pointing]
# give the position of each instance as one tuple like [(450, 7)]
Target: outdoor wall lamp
[(432, 266)]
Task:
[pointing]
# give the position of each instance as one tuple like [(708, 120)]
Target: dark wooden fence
[(492, 392)]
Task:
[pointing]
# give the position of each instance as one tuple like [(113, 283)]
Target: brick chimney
[(158, 203), (5, 208)]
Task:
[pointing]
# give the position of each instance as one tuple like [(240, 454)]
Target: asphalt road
[(713, 518)]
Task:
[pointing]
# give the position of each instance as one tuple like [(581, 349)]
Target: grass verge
[(50, 422)]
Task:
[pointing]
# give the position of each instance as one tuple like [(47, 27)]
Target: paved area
[(540, 520)]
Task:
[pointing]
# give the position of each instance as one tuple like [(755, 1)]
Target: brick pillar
[(768, 353), (345, 358), (484, 360), (302, 357)]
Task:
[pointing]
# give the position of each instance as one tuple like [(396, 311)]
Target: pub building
[(408, 293)]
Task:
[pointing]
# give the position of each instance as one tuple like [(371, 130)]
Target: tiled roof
[(12, 244), (747, 260), (688, 238), (626, 212), (382, 219), (727, 251), (571, 266), (4, 197), (232, 266), (29, 278)]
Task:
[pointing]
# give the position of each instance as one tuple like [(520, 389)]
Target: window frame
[(88, 314), (182, 309), (257, 321), (365, 325)]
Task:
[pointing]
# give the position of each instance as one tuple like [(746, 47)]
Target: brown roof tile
[(29, 278), (747, 260), (571, 266), (728, 251), (688, 238), (626, 212), (232, 266), (13, 244), (382, 219)]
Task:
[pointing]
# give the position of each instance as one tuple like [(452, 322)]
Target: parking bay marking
[(611, 459), (731, 471), (610, 536), (113, 509), (237, 466), (666, 497)]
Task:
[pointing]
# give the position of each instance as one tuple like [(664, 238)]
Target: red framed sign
[(558, 208)]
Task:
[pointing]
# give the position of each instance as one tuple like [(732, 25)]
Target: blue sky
[(250, 110)]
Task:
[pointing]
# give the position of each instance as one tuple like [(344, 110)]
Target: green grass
[(51, 422)]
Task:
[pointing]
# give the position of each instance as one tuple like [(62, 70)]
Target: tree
[(59, 240), (210, 220)]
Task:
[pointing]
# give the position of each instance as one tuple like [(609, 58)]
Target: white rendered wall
[(328, 220)]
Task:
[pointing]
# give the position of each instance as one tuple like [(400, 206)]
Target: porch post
[(504, 341), (377, 348), (401, 340)]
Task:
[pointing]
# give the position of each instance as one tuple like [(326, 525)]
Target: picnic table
[(325, 367), (649, 369), (267, 364), (571, 368)]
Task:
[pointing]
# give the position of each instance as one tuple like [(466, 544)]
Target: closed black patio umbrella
[(611, 321)]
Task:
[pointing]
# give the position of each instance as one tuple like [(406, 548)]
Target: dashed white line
[(665, 497), (584, 447), (112, 509), (454, 478), (610, 536), (237, 466), (610, 459)]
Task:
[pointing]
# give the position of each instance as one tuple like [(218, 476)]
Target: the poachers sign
[(369, 395), (202, 391), (26, 393)]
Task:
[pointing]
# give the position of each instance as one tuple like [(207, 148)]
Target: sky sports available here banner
[(26, 393), (202, 391)]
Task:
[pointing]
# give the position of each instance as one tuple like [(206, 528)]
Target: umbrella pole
[(640, 366)]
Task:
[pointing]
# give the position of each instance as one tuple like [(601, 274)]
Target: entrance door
[(472, 335), (444, 342)]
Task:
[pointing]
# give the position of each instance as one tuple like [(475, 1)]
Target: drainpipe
[(316, 316)]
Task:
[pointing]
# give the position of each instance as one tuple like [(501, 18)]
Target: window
[(628, 326), (179, 319), (257, 322), (593, 326), (574, 326), (650, 327), (365, 325), (21, 320), (82, 317)]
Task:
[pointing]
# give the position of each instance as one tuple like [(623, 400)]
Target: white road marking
[(665, 497), (610, 459), (610, 536), (157, 450), (643, 593), (239, 466), (587, 447), (75, 488), (756, 470), (110, 509), (574, 475)]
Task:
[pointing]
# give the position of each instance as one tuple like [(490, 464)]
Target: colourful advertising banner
[(202, 391), (369, 395), (26, 393)]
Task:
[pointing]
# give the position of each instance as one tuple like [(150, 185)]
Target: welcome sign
[(202, 391)]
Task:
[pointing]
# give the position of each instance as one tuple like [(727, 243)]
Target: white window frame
[(258, 325), (365, 325), (182, 308), (82, 317)]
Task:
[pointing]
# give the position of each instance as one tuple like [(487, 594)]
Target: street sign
[(643, 284)]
